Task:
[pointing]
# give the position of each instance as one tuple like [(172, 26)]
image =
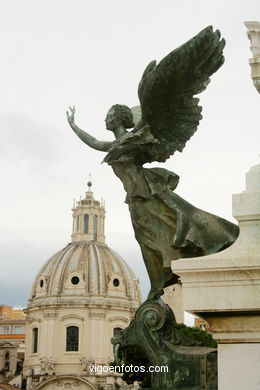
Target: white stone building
[(82, 296), (253, 34)]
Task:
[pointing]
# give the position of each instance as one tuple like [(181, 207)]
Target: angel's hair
[(122, 115)]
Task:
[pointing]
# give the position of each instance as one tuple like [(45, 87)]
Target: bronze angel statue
[(166, 226)]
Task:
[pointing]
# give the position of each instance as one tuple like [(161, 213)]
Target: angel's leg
[(159, 276)]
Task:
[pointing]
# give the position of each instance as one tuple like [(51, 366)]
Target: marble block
[(224, 289)]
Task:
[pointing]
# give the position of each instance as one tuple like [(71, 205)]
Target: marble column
[(224, 289)]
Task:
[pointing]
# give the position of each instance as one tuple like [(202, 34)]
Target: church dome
[(86, 270), (82, 297)]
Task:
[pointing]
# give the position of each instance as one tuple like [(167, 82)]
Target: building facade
[(12, 342)]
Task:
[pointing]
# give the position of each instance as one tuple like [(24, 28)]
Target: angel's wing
[(166, 91)]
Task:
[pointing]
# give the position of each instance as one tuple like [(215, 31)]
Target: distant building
[(8, 312), (12, 342), (82, 296), (202, 324)]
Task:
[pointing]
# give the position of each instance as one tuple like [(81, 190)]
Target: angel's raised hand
[(71, 114)]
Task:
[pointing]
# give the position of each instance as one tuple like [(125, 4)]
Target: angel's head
[(119, 115)]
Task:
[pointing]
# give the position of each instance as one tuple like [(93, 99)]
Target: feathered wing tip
[(166, 91)]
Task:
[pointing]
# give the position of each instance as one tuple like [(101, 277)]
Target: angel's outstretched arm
[(103, 146)]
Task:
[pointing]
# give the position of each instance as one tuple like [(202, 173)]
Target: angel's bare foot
[(154, 294)]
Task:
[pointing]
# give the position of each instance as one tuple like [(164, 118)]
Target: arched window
[(95, 226), (72, 338), (7, 361), (116, 332), (86, 223), (35, 340), (77, 222)]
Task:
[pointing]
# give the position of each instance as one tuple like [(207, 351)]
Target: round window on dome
[(116, 282), (41, 283), (75, 280)]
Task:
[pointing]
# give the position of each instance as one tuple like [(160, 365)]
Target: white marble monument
[(253, 34), (224, 289)]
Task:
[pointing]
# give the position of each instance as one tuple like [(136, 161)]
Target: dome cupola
[(86, 268), (88, 219)]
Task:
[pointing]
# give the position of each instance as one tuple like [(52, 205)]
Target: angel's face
[(111, 120)]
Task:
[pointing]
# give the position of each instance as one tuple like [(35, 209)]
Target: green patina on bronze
[(166, 226), (154, 333)]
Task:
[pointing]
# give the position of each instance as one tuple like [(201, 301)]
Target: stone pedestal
[(224, 289), (253, 34), (173, 297)]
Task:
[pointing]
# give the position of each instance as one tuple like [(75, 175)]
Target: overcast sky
[(91, 54)]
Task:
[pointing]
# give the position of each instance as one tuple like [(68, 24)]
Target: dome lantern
[(88, 219)]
